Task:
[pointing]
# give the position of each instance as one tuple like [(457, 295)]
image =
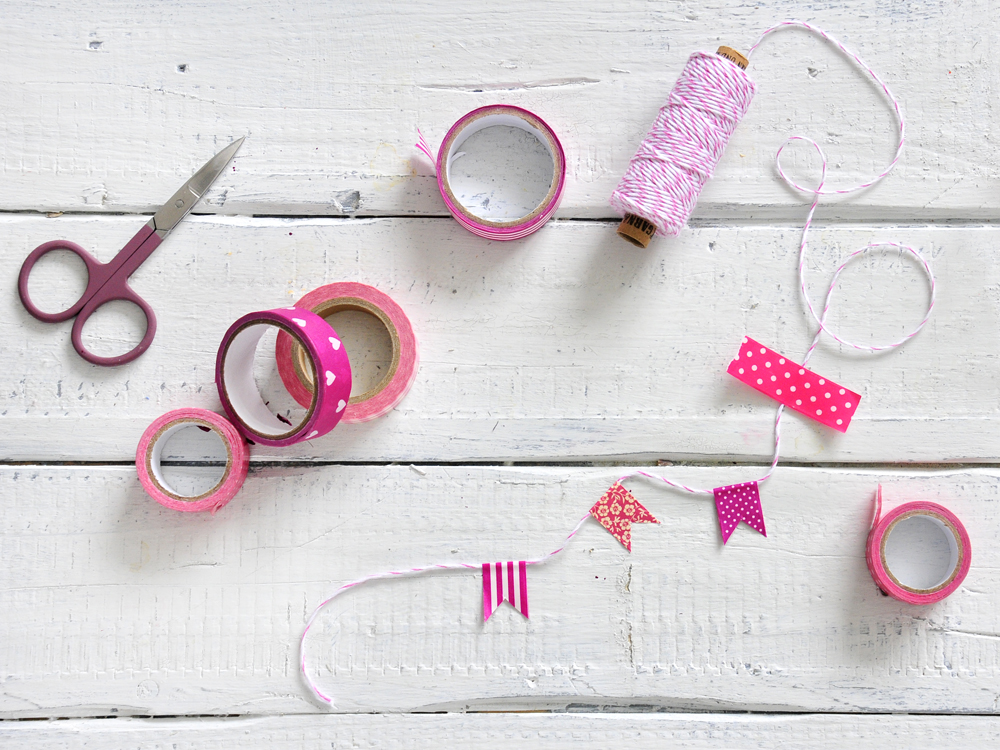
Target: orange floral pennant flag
[(617, 510)]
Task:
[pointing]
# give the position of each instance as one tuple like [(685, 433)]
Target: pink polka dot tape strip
[(796, 387), (387, 393), (326, 359), (915, 574), (150, 450), (465, 214)]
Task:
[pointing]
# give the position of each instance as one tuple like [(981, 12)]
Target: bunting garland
[(792, 384)]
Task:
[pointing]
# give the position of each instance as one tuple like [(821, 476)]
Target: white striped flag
[(505, 581)]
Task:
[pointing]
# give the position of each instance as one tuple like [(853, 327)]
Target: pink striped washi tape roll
[(390, 390), (887, 555), (480, 119), (150, 450), (325, 356)]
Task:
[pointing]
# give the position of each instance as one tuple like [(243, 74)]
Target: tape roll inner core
[(154, 455), (242, 391), (344, 304), (921, 552), (451, 150)]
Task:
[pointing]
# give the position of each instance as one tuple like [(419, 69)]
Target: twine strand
[(662, 184)]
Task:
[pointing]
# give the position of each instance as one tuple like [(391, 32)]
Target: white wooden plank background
[(635, 730), (566, 347), (99, 118), (114, 603)]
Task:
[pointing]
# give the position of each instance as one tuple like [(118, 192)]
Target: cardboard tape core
[(491, 117), (343, 304), (155, 454), (920, 551)]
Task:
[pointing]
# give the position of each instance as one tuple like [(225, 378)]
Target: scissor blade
[(181, 202)]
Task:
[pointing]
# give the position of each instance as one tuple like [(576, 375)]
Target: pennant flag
[(739, 502), (796, 387), (505, 581), (617, 510)]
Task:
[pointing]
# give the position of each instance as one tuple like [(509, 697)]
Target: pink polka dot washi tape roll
[(918, 580), (793, 385), (150, 450), (394, 385), (326, 358), (471, 216)]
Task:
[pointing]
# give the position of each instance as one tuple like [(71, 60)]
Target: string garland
[(662, 184)]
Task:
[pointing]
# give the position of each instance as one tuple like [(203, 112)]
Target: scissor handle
[(121, 292), (95, 277)]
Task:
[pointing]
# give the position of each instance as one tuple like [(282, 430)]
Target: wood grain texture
[(486, 731), (565, 347), (568, 346), (108, 108), (114, 605)]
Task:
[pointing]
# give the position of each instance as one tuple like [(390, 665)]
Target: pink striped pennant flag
[(505, 581)]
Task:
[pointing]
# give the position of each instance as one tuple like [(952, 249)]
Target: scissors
[(109, 281)]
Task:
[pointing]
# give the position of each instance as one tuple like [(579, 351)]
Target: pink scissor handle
[(97, 274), (120, 292)]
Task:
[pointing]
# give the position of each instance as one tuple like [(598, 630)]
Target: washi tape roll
[(470, 216), (326, 359), (918, 576), (150, 450), (390, 390)]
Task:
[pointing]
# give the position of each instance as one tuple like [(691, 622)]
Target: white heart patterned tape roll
[(326, 358)]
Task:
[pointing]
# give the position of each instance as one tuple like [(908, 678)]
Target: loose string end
[(424, 147)]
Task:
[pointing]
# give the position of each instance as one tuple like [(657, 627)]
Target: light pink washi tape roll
[(960, 551), (480, 119), (326, 359), (390, 390), (150, 450)]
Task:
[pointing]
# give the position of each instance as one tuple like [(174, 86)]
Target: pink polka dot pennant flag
[(739, 502), (617, 510), (796, 387)]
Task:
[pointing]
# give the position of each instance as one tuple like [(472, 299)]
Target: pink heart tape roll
[(390, 390), (150, 449), (326, 358), (881, 547), (480, 119)]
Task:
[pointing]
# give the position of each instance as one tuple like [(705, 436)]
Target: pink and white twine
[(678, 212), (662, 184)]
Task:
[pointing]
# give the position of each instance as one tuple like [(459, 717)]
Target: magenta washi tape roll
[(884, 552), (326, 359), (402, 370), (466, 215), (150, 449)]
